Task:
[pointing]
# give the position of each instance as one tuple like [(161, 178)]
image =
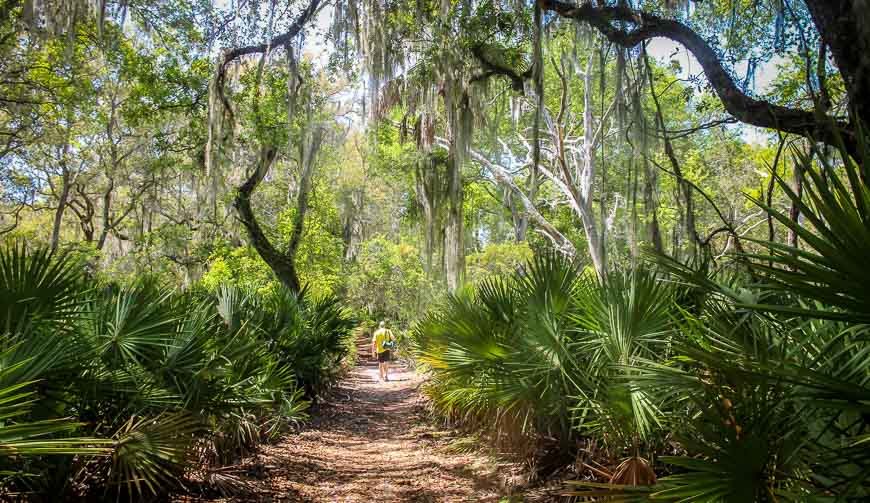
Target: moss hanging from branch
[(369, 23), (222, 122)]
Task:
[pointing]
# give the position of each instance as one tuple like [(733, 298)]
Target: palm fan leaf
[(832, 269)]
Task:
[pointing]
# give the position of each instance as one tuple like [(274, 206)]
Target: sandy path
[(372, 442)]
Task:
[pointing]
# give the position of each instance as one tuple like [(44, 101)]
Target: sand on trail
[(371, 442)]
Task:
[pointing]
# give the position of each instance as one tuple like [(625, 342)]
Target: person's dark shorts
[(384, 357)]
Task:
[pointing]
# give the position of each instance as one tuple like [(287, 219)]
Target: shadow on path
[(373, 442)]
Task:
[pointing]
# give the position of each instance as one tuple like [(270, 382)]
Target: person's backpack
[(390, 343)]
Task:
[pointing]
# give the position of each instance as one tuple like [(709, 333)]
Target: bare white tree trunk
[(575, 176), (502, 175)]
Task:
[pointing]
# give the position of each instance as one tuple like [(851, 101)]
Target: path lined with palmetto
[(372, 442)]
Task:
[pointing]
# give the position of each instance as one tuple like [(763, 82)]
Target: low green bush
[(125, 391), (675, 382)]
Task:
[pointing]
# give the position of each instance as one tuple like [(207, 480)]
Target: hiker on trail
[(382, 341)]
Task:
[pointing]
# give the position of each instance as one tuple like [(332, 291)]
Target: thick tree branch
[(491, 68), (742, 106), (560, 241), (283, 39)]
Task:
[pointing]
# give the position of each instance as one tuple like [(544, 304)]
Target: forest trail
[(371, 442)]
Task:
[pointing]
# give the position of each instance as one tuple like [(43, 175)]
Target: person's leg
[(387, 365)]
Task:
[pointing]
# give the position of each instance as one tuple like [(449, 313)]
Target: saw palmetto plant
[(552, 349), (693, 384), (124, 390)]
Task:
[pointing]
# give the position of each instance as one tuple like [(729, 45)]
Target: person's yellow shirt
[(381, 336)]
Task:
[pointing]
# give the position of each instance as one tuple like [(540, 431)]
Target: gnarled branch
[(743, 107), (492, 68)]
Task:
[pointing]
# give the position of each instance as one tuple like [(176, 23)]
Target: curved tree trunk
[(282, 263), (841, 23), (283, 266)]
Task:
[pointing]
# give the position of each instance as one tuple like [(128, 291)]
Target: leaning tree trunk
[(282, 263), (283, 266)]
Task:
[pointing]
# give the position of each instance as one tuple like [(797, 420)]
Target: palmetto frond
[(151, 452), (831, 268), (551, 346), (37, 285), (766, 401), (626, 317), (132, 324), (126, 378), (20, 436)]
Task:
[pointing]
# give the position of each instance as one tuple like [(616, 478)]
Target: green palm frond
[(832, 267), (20, 436), (147, 367), (151, 453), (37, 285), (766, 401), (627, 317), (231, 303), (132, 324)]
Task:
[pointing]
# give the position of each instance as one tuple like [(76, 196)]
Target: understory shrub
[(673, 382), (725, 402), (124, 391), (548, 353)]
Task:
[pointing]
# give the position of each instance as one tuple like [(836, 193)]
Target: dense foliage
[(749, 383), (144, 385)]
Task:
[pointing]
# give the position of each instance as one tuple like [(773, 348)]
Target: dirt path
[(372, 442)]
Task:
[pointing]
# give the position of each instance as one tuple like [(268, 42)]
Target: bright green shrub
[(497, 259), (387, 281), (240, 266), (143, 383), (545, 350)]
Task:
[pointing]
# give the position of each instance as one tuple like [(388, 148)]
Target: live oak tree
[(509, 124), (221, 124)]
